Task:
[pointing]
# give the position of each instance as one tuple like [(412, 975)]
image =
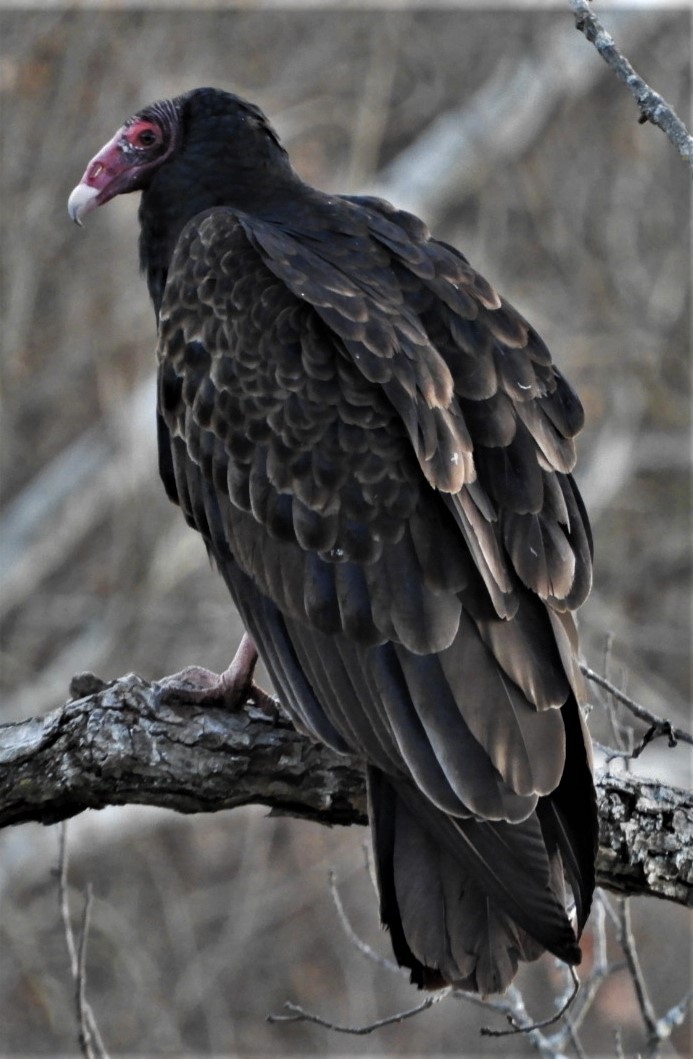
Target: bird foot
[(230, 688)]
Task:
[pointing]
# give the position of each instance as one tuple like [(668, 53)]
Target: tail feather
[(570, 823), (464, 901), (382, 805), (509, 863)]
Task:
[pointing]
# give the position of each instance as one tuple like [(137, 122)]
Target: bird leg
[(231, 688)]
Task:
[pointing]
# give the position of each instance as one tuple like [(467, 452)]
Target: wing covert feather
[(377, 449)]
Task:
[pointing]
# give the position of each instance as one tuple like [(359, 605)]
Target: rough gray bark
[(120, 743)]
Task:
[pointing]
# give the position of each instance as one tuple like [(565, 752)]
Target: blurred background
[(509, 135)]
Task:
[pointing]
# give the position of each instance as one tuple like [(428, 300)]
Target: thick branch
[(121, 744)]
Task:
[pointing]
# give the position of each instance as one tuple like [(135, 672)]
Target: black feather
[(376, 448)]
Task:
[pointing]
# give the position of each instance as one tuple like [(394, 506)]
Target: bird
[(377, 450)]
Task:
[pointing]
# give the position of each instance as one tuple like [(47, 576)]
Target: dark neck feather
[(254, 178)]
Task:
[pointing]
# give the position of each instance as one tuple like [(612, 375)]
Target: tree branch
[(652, 106), (120, 744)]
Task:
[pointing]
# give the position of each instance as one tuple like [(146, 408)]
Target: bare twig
[(353, 937), (88, 1032), (512, 1005), (90, 1041), (618, 1043), (527, 1025), (659, 725), (627, 943), (600, 971), (674, 1017), (652, 106), (63, 899), (658, 1030), (621, 735), (294, 1013), (608, 906)]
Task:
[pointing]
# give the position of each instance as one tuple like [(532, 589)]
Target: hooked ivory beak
[(82, 201), (105, 176)]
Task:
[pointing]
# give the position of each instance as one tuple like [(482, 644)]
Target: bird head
[(127, 161), (214, 140)]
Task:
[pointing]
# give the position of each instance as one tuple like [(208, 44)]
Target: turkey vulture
[(376, 449)]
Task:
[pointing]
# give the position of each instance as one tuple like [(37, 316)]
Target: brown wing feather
[(376, 449)]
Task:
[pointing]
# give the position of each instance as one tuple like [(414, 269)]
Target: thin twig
[(599, 912), (530, 1026), (63, 899), (572, 1033), (674, 1017), (608, 907), (512, 1005), (618, 1043), (574, 1008), (601, 970), (90, 1041), (621, 736), (85, 1034), (627, 943), (363, 947), (661, 725), (652, 106), (297, 1014)]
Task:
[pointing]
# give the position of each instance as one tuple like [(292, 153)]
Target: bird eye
[(146, 136)]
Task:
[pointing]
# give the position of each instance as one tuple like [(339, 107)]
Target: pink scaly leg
[(230, 688)]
